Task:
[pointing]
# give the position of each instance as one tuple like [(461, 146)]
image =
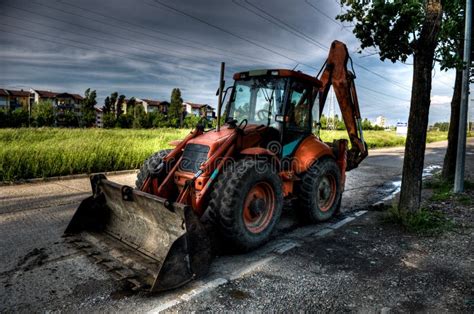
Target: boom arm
[(336, 74)]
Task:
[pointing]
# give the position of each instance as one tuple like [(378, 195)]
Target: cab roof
[(278, 73)]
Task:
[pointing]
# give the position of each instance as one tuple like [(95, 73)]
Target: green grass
[(423, 222), (378, 139), (46, 152)]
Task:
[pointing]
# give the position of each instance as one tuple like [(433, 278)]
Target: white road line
[(341, 223), (323, 232), (206, 287), (360, 213), (242, 272), (281, 247), (165, 306)]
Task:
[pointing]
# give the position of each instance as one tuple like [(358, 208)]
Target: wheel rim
[(326, 192), (259, 206)]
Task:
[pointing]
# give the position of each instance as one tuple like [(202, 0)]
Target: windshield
[(257, 100)]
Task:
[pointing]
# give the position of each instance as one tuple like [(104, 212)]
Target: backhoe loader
[(229, 182)]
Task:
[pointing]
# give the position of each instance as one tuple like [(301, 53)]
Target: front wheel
[(150, 167), (319, 191), (249, 203)]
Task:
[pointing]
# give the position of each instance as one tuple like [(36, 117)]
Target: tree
[(107, 108), (175, 111), (118, 106), (131, 105), (158, 120), (139, 117), (113, 101), (109, 120), (450, 53), (399, 29), (88, 108), (43, 113)]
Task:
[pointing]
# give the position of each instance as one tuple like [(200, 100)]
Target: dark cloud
[(144, 49)]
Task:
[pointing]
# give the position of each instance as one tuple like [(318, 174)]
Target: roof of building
[(67, 95), (18, 93), (46, 94), (3, 92), (197, 106)]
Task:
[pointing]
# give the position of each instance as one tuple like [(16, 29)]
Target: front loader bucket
[(140, 237)]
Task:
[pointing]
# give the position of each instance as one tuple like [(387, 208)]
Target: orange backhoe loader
[(229, 182)]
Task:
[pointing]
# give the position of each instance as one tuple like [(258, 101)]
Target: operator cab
[(283, 100)]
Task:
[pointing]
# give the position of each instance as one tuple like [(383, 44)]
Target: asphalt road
[(39, 272)]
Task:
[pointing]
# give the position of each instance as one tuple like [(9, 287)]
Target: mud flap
[(145, 238)]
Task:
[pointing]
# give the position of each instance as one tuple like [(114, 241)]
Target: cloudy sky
[(144, 48)]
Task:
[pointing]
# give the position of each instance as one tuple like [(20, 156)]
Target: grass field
[(46, 152)]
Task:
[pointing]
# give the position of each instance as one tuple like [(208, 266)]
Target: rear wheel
[(319, 191), (247, 203), (150, 166)]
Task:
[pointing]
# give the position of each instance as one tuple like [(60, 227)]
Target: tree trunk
[(410, 194), (449, 164)]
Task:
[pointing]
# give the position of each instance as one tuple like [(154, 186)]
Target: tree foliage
[(175, 111), (43, 113), (88, 108), (399, 29)]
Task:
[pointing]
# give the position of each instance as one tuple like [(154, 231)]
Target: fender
[(257, 151), (309, 150)]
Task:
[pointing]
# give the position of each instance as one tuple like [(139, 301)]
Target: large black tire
[(319, 191), (246, 204), (150, 166)]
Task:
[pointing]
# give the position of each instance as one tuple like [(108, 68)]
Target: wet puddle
[(392, 188)]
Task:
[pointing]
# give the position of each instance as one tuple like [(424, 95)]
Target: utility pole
[(461, 151)]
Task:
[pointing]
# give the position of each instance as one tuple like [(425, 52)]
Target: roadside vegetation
[(436, 214), (46, 152)]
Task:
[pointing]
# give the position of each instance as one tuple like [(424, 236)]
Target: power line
[(115, 52), (227, 32), (127, 29), (322, 46)]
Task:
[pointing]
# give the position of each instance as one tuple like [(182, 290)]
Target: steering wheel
[(263, 114)]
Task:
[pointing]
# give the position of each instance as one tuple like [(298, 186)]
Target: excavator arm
[(342, 80)]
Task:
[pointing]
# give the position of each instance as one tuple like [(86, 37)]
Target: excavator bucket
[(139, 237)]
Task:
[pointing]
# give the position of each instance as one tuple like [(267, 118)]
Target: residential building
[(381, 121), (4, 99), (199, 110), (99, 115), (154, 105), (14, 99)]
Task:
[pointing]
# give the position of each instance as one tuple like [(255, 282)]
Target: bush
[(125, 121), (108, 120), (18, 118), (43, 114), (191, 121)]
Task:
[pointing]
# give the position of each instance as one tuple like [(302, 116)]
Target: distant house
[(381, 121), (154, 105), (14, 99), (63, 101), (99, 115), (43, 95), (199, 110), (70, 102), (3, 99)]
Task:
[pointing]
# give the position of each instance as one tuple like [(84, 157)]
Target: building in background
[(402, 128), (99, 115), (381, 121), (154, 105), (14, 99), (201, 110)]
